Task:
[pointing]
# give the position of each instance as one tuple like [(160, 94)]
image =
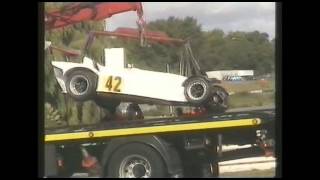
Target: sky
[(228, 16)]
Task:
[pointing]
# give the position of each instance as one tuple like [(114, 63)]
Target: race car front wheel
[(197, 90), (81, 85)]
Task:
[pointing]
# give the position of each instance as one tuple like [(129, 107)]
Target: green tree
[(70, 37)]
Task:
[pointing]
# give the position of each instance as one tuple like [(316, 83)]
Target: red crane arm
[(86, 11), (151, 36), (66, 52)]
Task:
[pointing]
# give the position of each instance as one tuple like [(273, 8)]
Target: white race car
[(117, 82)]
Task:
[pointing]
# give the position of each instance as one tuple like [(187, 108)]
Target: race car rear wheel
[(218, 102), (81, 85), (197, 90)]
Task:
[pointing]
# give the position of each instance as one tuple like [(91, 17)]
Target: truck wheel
[(218, 102), (81, 85), (136, 161), (197, 90), (215, 169)]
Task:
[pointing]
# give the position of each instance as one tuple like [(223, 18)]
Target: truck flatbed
[(110, 129)]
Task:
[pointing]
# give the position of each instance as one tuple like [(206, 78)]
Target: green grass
[(246, 86), (250, 100)]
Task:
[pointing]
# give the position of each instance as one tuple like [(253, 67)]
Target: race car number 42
[(113, 83)]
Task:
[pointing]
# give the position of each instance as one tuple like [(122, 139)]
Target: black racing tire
[(197, 90), (108, 104), (134, 112), (136, 160), (81, 85), (218, 102)]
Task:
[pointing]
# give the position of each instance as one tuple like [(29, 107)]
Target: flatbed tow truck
[(163, 147)]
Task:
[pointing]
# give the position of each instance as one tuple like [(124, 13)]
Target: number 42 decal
[(111, 86)]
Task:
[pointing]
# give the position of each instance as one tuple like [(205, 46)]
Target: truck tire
[(81, 85), (136, 160), (218, 102), (215, 172), (197, 90), (209, 170)]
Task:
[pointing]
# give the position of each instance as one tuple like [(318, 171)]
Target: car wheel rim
[(79, 85), (197, 90), (135, 166)]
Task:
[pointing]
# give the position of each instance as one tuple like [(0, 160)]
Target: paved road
[(246, 167)]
